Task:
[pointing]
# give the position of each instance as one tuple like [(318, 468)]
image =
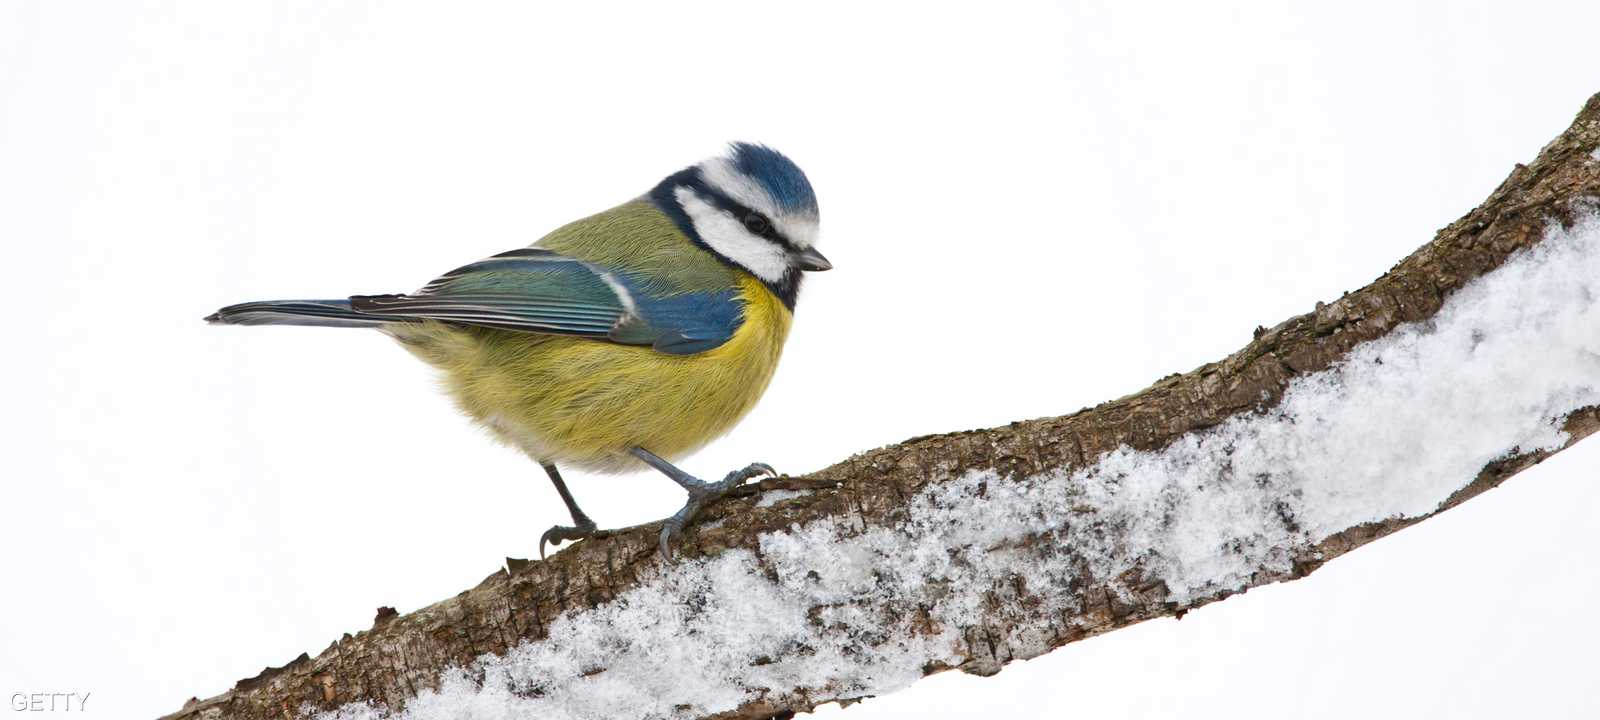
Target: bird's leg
[(701, 493), (581, 526)]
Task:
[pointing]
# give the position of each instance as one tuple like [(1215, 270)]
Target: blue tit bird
[(636, 335)]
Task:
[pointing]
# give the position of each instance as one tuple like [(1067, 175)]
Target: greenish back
[(640, 241)]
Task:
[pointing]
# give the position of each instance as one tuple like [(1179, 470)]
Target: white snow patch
[(1596, 153), (1393, 430), (773, 497)]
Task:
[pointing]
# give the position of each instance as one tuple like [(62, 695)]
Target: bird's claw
[(738, 477), (702, 495), (562, 533)]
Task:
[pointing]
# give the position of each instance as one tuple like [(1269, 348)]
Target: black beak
[(813, 261)]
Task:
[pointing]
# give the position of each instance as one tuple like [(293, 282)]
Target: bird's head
[(754, 209)]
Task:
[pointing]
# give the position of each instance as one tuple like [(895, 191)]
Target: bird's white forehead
[(720, 173)]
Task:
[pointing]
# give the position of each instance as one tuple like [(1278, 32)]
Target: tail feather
[(321, 313)]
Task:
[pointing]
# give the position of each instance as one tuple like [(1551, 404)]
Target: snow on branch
[(1472, 359)]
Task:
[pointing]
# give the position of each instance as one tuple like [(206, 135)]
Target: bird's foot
[(558, 534), (701, 494)]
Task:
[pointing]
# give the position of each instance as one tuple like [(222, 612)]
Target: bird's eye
[(756, 224)]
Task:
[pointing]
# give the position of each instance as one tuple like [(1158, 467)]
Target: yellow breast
[(586, 402)]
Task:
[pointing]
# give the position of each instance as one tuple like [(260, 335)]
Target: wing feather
[(540, 291)]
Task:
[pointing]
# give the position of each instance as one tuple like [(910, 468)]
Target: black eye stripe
[(753, 221), (757, 223), (744, 214)]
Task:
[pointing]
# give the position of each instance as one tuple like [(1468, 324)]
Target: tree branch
[(1469, 361)]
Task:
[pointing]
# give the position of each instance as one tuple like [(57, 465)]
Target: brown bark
[(401, 654)]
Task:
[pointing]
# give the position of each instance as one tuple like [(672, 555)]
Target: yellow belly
[(573, 401)]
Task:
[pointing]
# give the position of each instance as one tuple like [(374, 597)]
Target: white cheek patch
[(727, 236)]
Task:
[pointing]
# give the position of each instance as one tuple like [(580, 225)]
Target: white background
[(1031, 207)]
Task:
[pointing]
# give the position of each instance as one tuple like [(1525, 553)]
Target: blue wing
[(540, 291)]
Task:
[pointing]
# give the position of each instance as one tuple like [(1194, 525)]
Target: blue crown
[(783, 179)]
